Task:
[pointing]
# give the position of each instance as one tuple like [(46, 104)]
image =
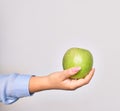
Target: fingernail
[(76, 69)]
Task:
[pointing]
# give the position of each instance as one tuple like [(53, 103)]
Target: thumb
[(69, 72)]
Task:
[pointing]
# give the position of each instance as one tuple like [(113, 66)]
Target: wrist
[(38, 83)]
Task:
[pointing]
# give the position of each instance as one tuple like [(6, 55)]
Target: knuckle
[(86, 82), (72, 88)]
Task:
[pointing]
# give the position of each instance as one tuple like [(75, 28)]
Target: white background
[(34, 35)]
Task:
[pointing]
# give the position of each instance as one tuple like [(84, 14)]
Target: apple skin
[(78, 57)]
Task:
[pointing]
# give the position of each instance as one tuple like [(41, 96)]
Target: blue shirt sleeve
[(13, 87)]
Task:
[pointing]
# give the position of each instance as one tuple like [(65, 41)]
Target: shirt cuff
[(20, 86)]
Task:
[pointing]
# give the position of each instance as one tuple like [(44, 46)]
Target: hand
[(61, 80)]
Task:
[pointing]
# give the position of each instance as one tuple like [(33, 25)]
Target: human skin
[(59, 80)]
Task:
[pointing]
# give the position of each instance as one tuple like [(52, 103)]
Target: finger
[(87, 79), (69, 72), (81, 82), (89, 76)]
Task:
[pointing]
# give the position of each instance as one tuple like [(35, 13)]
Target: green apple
[(78, 57)]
